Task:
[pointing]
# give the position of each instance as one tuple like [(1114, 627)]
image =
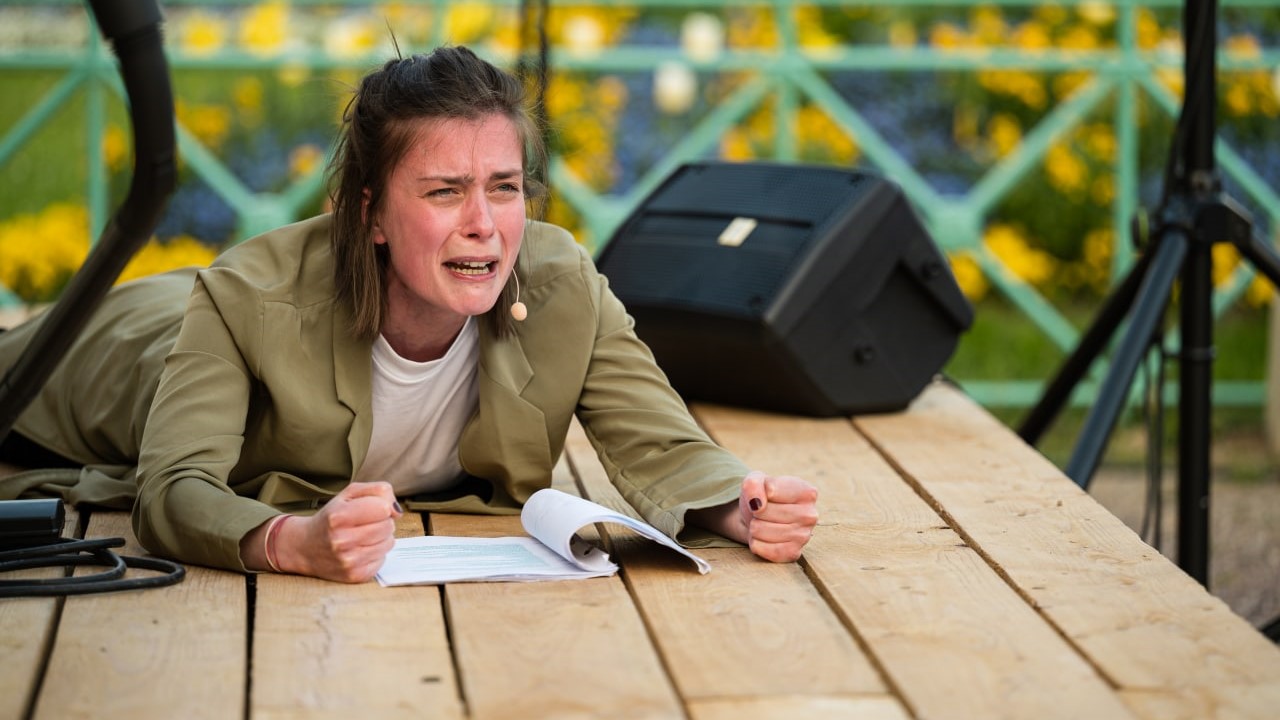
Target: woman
[(343, 362)]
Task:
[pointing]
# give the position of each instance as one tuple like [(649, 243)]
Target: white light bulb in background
[(583, 35), (675, 87), (702, 36)]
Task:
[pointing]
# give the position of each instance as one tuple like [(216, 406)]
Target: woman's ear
[(365, 198)]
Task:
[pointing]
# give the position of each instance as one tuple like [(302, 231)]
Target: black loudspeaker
[(799, 289)]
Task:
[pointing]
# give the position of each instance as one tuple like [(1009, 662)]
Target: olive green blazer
[(256, 399)]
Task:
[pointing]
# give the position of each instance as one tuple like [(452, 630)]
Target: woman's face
[(452, 219)]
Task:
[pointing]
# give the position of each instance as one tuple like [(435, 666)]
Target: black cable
[(72, 553), (1153, 410)]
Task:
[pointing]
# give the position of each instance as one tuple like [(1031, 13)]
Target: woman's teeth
[(469, 268)]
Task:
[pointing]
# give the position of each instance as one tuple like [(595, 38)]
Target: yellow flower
[(964, 126), (565, 95), (1032, 35), (611, 93), (902, 33), (1103, 190), (752, 27), (1098, 13), (115, 146), (1097, 248), (467, 21), (264, 28), (1017, 255), (1080, 37), (1100, 141), (1244, 46), (1067, 172), (505, 39), (823, 139), (969, 276), (1148, 31), (1225, 259), (304, 159), (736, 146), (1172, 79), (209, 123), (293, 74), (948, 37), (1260, 291), (1068, 82), (158, 257), (1019, 84), (1004, 134), (246, 95), (351, 36), (202, 33), (810, 32), (40, 252), (1237, 99), (988, 25), (1051, 14)]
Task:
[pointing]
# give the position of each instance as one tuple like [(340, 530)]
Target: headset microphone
[(518, 309)]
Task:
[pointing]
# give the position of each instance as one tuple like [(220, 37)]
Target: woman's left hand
[(779, 515), (774, 516)]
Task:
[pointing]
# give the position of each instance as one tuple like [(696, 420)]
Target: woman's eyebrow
[(468, 179)]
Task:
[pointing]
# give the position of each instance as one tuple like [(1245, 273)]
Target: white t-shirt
[(419, 410)]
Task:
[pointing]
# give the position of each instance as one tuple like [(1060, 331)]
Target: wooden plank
[(567, 649), (328, 650), (27, 627), (953, 638), (1149, 628), (714, 630), (799, 706), (176, 651)]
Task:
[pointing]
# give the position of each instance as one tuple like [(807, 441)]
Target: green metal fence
[(1117, 79)]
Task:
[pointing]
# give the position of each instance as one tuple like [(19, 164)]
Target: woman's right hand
[(347, 540)]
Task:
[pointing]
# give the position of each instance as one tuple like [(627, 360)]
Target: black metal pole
[(1195, 407), (1195, 387)]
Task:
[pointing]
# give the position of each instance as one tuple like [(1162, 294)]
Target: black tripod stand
[(1194, 214)]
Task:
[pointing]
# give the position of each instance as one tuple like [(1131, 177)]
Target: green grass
[(1004, 345)]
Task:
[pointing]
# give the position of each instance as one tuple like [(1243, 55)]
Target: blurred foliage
[(270, 125)]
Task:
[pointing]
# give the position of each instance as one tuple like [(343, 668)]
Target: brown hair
[(378, 127)]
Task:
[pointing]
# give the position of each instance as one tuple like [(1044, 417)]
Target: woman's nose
[(477, 217)]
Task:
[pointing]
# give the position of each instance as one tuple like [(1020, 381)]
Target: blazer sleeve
[(655, 453), (192, 441)]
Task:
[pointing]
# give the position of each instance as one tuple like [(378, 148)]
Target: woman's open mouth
[(471, 267)]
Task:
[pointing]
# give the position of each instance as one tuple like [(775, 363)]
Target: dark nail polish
[(754, 504), (396, 505)]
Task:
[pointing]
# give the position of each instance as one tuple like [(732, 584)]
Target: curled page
[(553, 517)]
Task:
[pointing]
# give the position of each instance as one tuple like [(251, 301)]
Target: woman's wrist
[(270, 541), (724, 520)]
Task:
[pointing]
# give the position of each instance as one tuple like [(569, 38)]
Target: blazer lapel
[(506, 442), (353, 383)]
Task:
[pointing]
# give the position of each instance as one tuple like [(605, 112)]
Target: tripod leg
[(1147, 311), (1090, 346)]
